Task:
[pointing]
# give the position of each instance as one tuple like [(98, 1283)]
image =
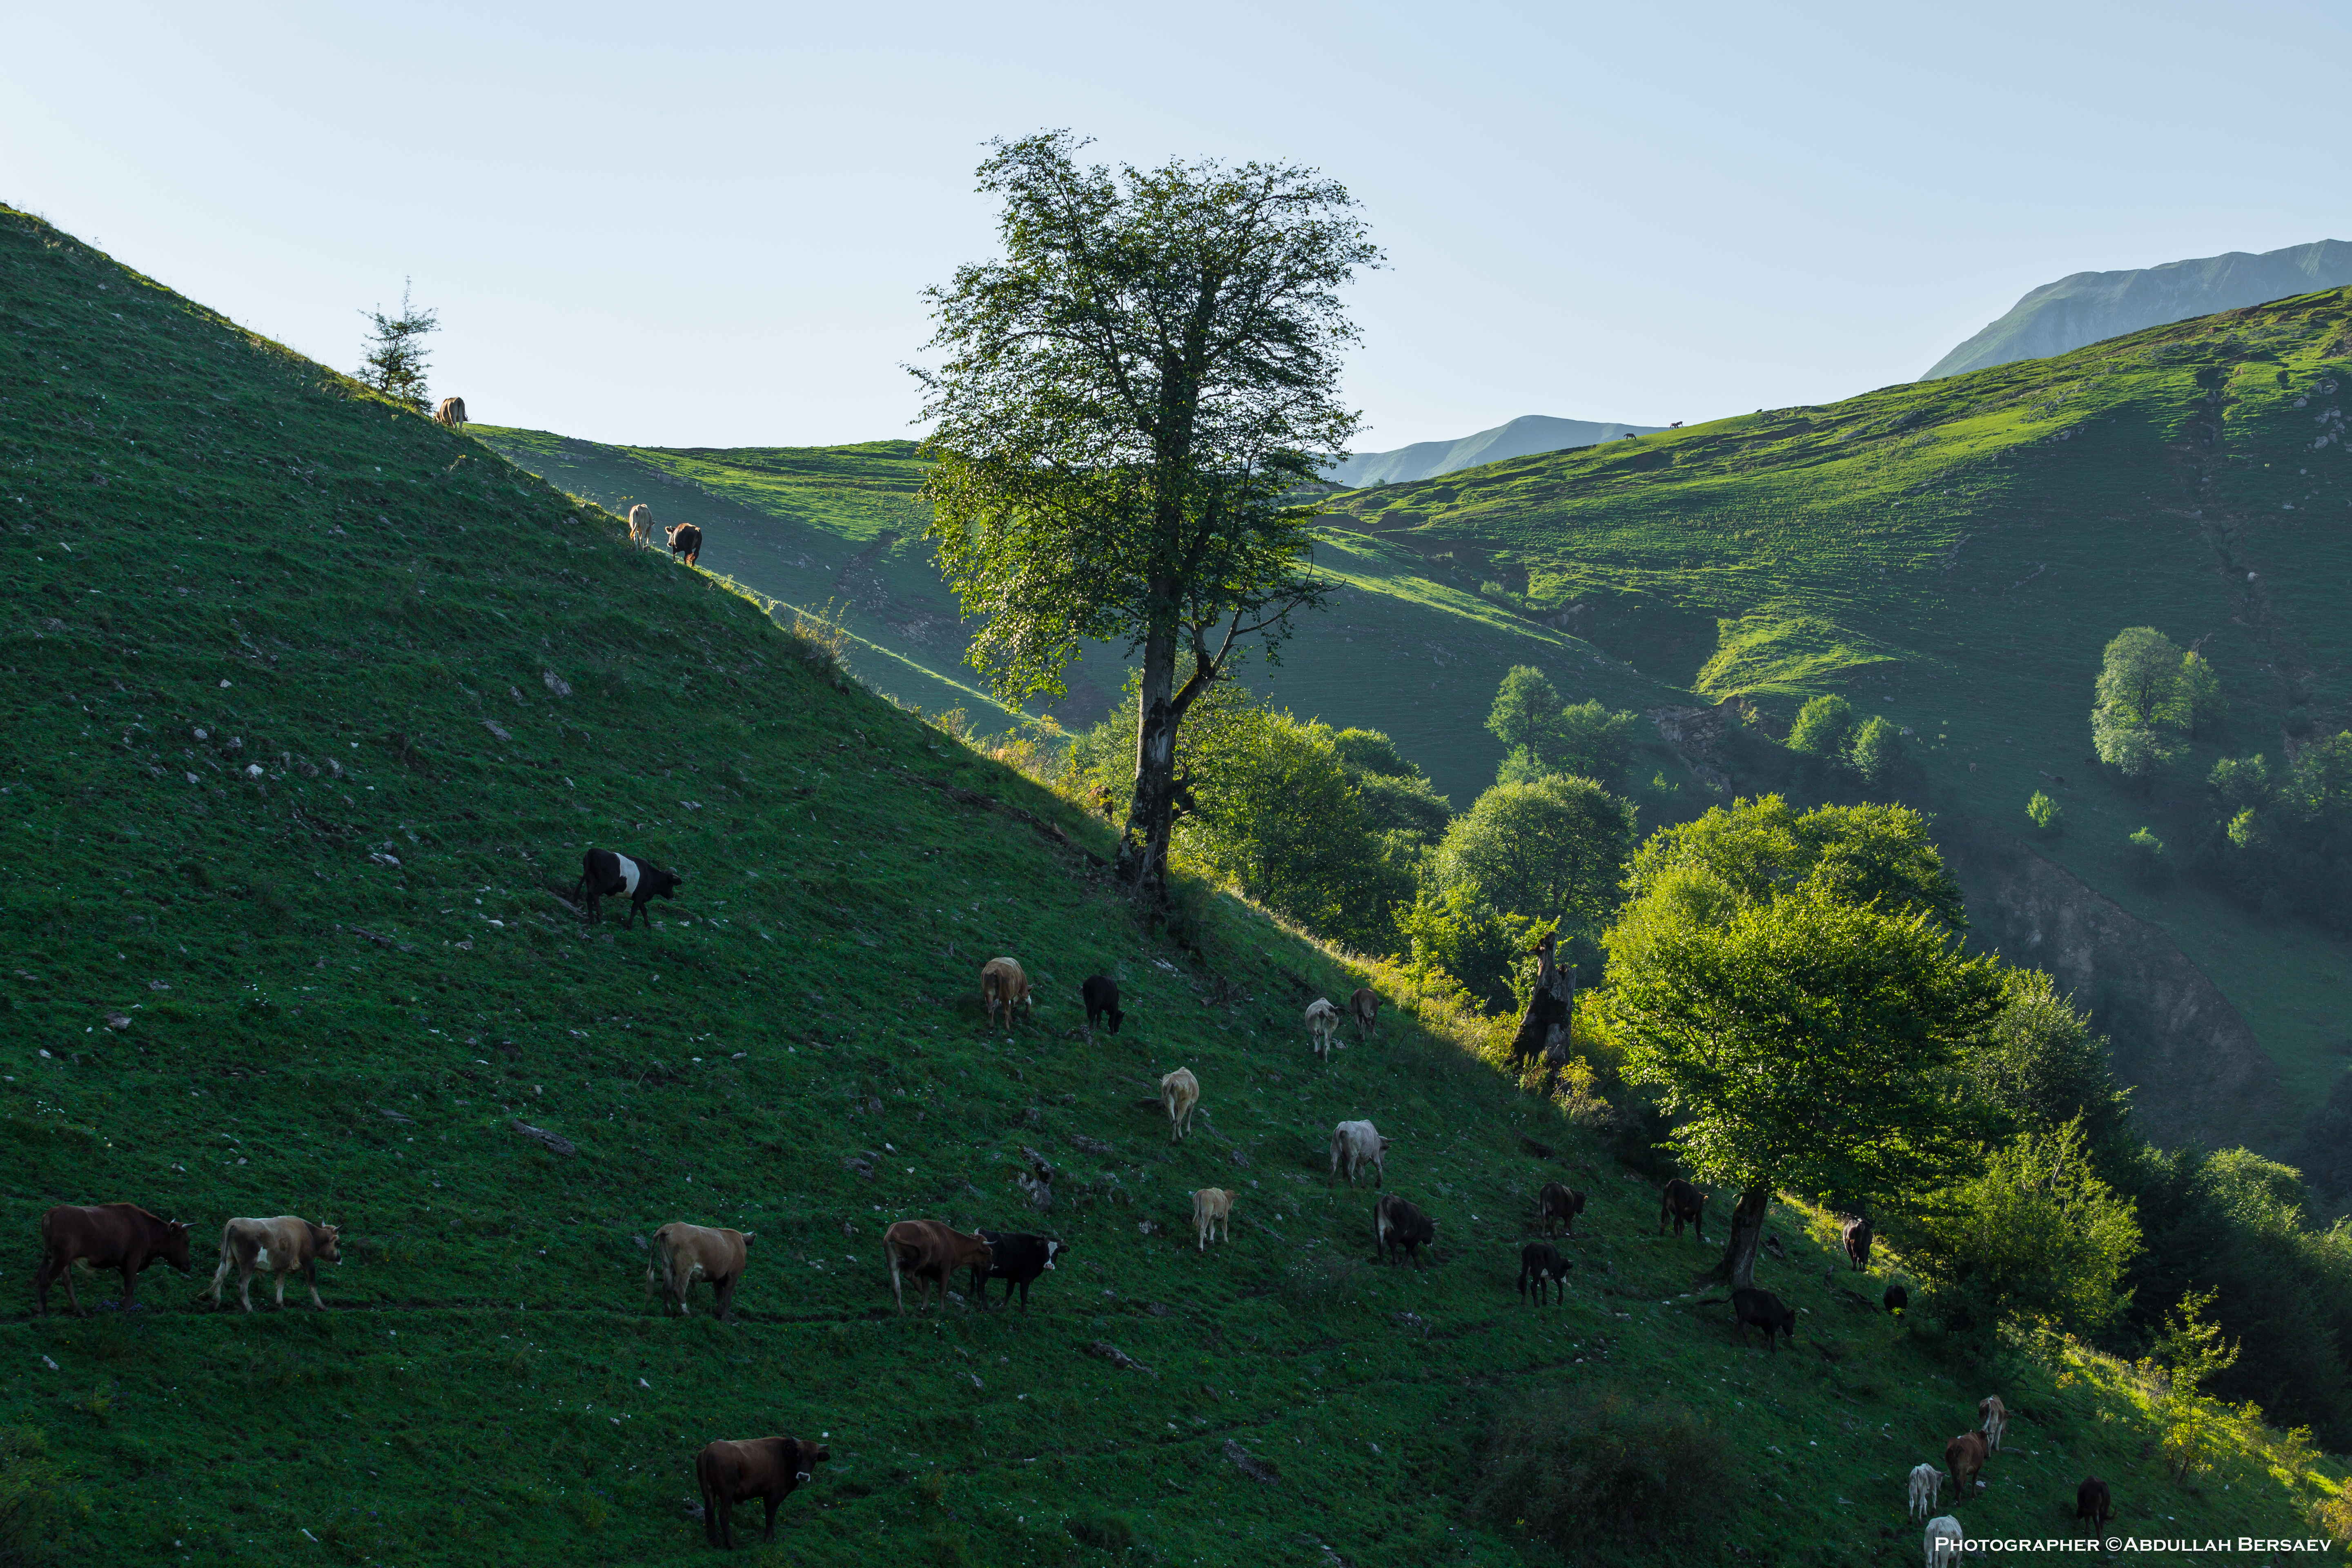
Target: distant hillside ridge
[(2086, 307), (1522, 437)]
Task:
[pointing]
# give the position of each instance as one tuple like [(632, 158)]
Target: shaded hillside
[(1530, 433), (1408, 645), (2085, 307), (1955, 553), (316, 705)]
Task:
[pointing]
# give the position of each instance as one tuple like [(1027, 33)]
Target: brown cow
[(1364, 1007), (452, 413), (280, 1246), (927, 1251), (1762, 1309), (2093, 1502), (105, 1236), (1001, 984), (1557, 1203), (683, 1254), (1965, 1457), (763, 1467), (1857, 1236), (1684, 1203)]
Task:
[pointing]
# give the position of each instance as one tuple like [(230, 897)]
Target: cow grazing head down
[(172, 1247), (327, 1239)]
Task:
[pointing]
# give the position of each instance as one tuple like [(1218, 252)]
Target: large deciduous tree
[(1132, 397)]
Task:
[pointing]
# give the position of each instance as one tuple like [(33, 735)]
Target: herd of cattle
[(930, 1253)]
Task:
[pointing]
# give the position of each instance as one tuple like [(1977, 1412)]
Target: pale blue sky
[(708, 225)]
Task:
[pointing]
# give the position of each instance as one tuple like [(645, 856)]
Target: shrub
[(1822, 726), (1879, 754), (2043, 812), (2144, 851), (1566, 1466)]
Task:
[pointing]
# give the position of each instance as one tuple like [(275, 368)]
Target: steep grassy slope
[(2084, 307), (1409, 646), (337, 985), (1955, 553)]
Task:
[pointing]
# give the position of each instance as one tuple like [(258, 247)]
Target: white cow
[(640, 524), (1927, 1489), (1356, 1145), (285, 1244), (1943, 1542), (1322, 1022), (1180, 1091)]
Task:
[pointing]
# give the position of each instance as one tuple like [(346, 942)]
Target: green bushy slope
[(1408, 646), (336, 985), (1955, 553)]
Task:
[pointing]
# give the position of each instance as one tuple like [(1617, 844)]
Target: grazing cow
[(452, 413), (1397, 1225), (1002, 985), (1101, 993), (1944, 1543), (1180, 1091), (1965, 1457), (281, 1246), (1995, 1420), (930, 1251), (1898, 1301), (1763, 1309), (1364, 1007), (608, 874), (1685, 1204), (2093, 1503), (105, 1236), (1356, 1145), (1855, 1234), (1211, 1207), (1542, 1263), (640, 524), (1017, 1259), (685, 540), (1927, 1489), (763, 1467), (685, 1253), (1556, 1204), (1322, 1022)]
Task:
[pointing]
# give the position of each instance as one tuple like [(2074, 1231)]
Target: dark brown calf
[(105, 1236), (765, 1468), (1965, 1457), (1540, 1264), (1762, 1309), (1685, 1204), (1556, 1204), (2093, 1503), (1857, 1236)]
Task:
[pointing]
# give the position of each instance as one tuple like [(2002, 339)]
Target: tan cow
[(1995, 1416), (1211, 1207), (765, 1468), (683, 1254), (928, 1251), (452, 413), (1364, 1006), (1180, 1091), (1322, 1022), (1001, 984), (277, 1247), (640, 524)]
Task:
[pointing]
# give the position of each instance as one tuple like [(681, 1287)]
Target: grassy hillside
[(315, 705), (1406, 647), (1955, 553)]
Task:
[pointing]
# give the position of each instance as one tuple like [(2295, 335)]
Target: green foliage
[(1456, 934), (2044, 813), (2147, 701), (1553, 849), (1547, 736), (1396, 797), (2041, 1068), (1879, 756), (2190, 1352), (1823, 727), (396, 356), (1753, 849), (1595, 743), (1569, 1470), (1805, 1042), (2205, 709), (1525, 714), (2035, 1235), (2242, 783), (1371, 753), (2149, 861)]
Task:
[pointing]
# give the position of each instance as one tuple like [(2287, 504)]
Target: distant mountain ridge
[(2086, 307), (1524, 436)]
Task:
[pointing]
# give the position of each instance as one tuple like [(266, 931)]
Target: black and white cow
[(606, 874), (1017, 1259), (686, 540)]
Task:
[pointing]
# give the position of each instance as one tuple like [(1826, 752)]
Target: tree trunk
[(1737, 1266), (1543, 1033), (1143, 847)]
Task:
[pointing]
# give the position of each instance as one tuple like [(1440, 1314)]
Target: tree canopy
[(1131, 395), (1552, 849)]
